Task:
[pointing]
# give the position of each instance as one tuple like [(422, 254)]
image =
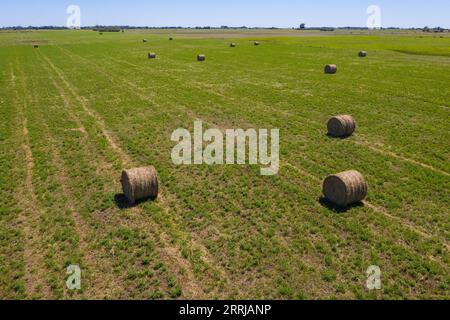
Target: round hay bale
[(362, 54), (346, 188), (256, 43), (341, 126), (144, 40), (36, 46), (201, 57), (330, 69), (170, 38), (152, 55), (232, 45), (140, 183)]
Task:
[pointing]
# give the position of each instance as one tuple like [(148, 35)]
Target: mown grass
[(225, 231)]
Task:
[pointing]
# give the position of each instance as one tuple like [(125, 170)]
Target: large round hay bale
[(152, 55), (232, 45), (341, 126), (144, 40), (201, 57), (346, 188), (140, 183), (256, 43), (330, 69), (362, 54)]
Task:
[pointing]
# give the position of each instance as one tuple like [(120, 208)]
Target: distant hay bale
[(346, 188), (362, 54), (170, 38), (256, 43), (152, 55), (330, 69), (232, 45), (140, 183), (341, 126), (201, 57), (144, 40), (36, 46)]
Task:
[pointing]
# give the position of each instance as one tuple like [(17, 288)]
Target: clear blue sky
[(278, 13)]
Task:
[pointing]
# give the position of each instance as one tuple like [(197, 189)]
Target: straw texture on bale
[(140, 183), (330, 68), (346, 188), (362, 54), (341, 126), (201, 57), (152, 55)]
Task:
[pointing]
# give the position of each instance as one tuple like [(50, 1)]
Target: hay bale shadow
[(330, 136), (122, 202), (324, 202)]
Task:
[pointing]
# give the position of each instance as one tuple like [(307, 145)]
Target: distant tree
[(302, 26)]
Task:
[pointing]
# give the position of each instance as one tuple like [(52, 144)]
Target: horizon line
[(215, 27)]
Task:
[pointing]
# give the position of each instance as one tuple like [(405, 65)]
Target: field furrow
[(83, 107)]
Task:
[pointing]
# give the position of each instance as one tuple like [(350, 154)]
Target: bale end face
[(140, 184), (346, 188), (201, 57), (341, 126), (330, 69)]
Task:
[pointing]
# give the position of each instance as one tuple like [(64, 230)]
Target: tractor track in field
[(272, 237), (169, 252), (126, 160), (207, 258), (100, 281), (106, 74), (399, 157), (374, 208), (377, 209), (30, 217), (206, 255), (362, 141), (198, 84), (110, 283)]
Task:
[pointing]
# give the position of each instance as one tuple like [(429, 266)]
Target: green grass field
[(84, 106)]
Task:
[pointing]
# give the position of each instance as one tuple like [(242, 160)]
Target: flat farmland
[(82, 107)]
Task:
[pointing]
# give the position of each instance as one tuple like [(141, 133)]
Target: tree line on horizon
[(104, 28)]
